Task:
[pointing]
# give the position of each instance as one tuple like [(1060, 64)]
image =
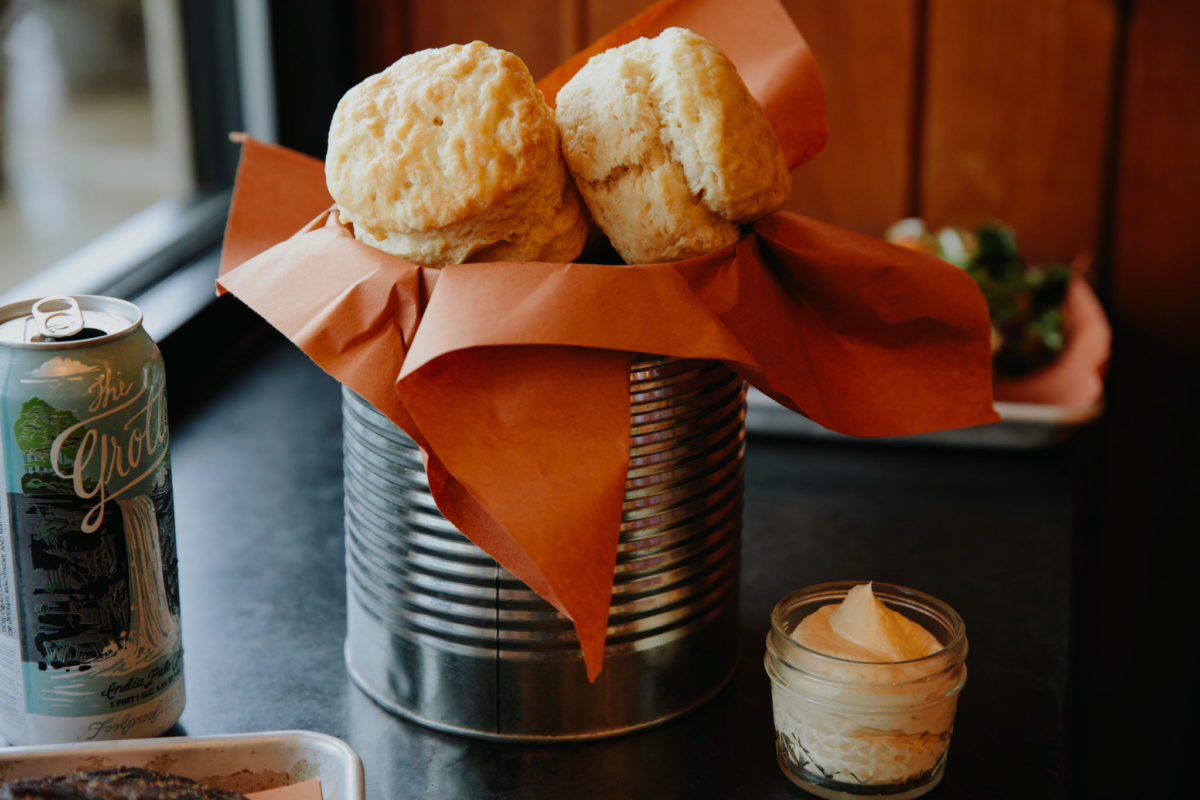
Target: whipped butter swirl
[(861, 628), (863, 696)]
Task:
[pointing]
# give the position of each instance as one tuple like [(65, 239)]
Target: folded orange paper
[(308, 790), (513, 377)]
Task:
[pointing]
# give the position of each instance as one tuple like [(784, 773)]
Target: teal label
[(92, 527), (83, 695)]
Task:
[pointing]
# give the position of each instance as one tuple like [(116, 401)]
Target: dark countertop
[(258, 493)]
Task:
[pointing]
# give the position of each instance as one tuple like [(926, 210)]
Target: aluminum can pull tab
[(57, 317)]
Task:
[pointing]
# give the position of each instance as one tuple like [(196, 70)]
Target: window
[(78, 139), (114, 131)]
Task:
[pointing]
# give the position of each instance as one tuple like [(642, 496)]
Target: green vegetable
[(1025, 303)]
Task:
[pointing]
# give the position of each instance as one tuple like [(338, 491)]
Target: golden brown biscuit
[(449, 152), (668, 147)]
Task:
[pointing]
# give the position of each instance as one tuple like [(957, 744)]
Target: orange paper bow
[(513, 377)]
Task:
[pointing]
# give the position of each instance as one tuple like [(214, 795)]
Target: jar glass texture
[(853, 729)]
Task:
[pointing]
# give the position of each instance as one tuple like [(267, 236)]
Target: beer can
[(90, 644)]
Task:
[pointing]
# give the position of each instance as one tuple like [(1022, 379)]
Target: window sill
[(135, 255)]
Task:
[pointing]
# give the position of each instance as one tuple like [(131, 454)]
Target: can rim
[(87, 302)]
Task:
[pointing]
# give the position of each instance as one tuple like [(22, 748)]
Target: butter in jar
[(864, 684)]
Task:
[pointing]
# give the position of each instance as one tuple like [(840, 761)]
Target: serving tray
[(248, 762)]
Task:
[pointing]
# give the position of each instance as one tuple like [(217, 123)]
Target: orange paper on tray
[(307, 790), (513, 377)]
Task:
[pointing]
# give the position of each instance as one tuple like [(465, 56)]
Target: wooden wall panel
[(601, 16), (1155, 278), (1140, 508), (866, 52), (542, 33), (1017, 103), (382, 34)]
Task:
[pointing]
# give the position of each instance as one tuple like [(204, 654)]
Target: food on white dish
[(1025, 302)]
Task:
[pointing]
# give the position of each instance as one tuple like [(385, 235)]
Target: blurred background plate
[(1039, 410)]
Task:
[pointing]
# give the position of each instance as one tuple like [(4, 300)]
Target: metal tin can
[(90, 644), (438, 632)]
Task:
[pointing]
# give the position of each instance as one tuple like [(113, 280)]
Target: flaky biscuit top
[(717, 131), (463, 124), (668, 147)]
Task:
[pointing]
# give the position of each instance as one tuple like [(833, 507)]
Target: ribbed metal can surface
[(439, 632)]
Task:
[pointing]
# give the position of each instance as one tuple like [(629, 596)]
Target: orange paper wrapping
[(513, 377), (308, 790)]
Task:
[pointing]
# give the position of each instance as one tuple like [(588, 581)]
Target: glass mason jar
[(854, 729)]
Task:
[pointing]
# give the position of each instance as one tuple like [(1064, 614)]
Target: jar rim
[(835, 590)]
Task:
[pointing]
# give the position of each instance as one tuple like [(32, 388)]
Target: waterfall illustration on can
[(90, 645)]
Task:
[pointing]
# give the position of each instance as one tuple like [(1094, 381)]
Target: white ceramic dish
[(248, 762), (1022, 425), (1054, 403)]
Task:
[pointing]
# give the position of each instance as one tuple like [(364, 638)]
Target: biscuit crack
[(615, 174)]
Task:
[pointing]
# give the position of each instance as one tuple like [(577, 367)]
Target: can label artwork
[(90, 644)]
